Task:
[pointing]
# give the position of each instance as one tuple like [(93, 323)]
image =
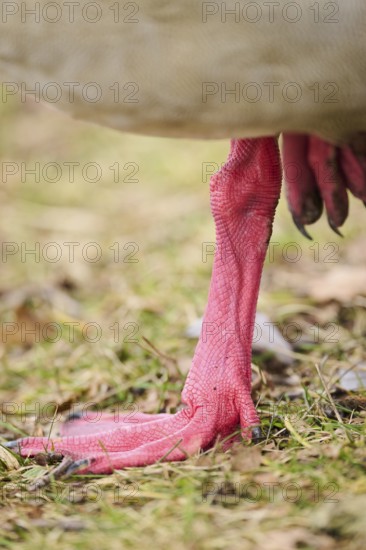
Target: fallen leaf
[(245, 458), (341, 283), (9, 460), (293, 538), (354, 379)]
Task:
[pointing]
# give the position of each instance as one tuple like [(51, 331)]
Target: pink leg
[(244, 195), (96, 422)]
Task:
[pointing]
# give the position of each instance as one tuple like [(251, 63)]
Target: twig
[(326, 389), (335, 410)]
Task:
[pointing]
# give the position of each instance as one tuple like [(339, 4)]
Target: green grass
[(302, 487)]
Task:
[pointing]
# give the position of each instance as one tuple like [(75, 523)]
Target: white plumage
[(195, 69)]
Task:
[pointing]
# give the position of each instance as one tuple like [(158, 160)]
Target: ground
[(105, 326)]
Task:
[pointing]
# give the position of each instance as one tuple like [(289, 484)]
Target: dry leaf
[(293, 538), (9, 461), (341, 283), (354, 379), (245, 458)]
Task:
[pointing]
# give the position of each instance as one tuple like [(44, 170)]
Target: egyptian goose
[(206, 70)]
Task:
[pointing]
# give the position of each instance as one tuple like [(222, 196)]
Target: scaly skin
[(216, 395), (217, 399)]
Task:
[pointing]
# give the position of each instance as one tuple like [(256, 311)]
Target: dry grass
[(303, 487)]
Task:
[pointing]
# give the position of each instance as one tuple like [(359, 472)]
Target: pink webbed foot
[(217, 399), (317, 173), (112, 445)]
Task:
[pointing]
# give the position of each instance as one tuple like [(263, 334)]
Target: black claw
[(334, 228), (301, 228), (11, 444), (77, 465), (56, 473), (74, 416), (364, 203), (257, 434), (66, 468)]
